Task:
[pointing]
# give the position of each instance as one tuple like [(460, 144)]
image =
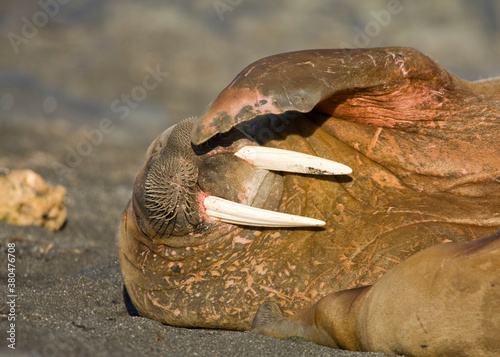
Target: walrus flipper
[(306, 80), (269, 321)]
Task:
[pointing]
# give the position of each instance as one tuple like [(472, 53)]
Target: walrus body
[(442, 301), (423, 146)]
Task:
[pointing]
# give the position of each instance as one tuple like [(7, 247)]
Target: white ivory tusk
[(237, 213), (290, 161)]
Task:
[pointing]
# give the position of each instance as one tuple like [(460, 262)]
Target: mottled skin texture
[(423, 146), (442, 301)]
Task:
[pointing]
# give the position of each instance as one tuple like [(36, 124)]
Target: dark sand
[(61, 84)]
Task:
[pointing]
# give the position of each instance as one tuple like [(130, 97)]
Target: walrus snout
[(166, 194), (172, 188)]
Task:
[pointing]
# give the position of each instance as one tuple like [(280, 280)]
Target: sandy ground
[(66, 83)]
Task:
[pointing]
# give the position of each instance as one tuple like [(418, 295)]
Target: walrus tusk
[(237, 213), (290, 161)]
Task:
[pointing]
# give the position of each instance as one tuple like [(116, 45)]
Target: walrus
[(312, 172), (442, 301)]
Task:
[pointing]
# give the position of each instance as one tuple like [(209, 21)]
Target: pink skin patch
[(203, 208)]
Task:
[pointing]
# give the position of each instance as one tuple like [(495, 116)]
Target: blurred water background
[(71, 59)]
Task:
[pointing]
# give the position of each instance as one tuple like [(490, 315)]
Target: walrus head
[(196, 247), (182, 188)]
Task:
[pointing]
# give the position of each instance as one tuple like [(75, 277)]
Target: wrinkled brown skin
[(442, 301), (422, 143)]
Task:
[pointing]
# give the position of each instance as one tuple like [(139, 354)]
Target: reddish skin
[(423, 146)]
